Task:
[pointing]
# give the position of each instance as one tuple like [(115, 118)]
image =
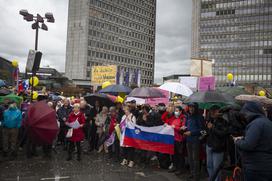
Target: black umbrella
[(209, 98), (146, 92), (115, 89), (103, 99), (4, 92), (232, 91)]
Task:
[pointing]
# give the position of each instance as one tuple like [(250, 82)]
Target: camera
[(203, 135)]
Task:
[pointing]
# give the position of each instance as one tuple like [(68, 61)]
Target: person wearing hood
[(217, 129), (256, 145), (12, 119), (193, 126)]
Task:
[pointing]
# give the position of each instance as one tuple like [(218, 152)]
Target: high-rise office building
[(237, 34), (111, 32)]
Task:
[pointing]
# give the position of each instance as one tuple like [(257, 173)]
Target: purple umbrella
[(146, 92)]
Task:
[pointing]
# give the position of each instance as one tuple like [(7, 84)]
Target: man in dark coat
[(217, 129), (120, 111), (256, 146), (86, 110), (149, 118), (63, 113), (194, 124), (93, 136), (133, 108)]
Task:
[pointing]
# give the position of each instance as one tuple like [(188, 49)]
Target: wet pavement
[(93, 167)]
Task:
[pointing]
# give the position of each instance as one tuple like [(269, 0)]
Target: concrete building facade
[(237, 34), (111, 32)]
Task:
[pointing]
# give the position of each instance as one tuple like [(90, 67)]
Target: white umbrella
[(177, 88)]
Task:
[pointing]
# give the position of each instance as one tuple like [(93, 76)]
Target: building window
[(88, 73)]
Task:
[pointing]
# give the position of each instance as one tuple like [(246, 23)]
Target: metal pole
[(33, 72), (36, 37)]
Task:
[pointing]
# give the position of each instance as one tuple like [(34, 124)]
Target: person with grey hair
[(101, 120), (63, 113), (77, 132)]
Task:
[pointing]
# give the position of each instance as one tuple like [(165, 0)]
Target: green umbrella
[(11, 97), (209, 105)]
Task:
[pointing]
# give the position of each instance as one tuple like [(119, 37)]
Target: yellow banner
[(101, 74)]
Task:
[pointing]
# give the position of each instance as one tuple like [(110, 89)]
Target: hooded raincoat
[(256, 146)]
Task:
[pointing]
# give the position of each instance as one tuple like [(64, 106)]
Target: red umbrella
[(41, 124)]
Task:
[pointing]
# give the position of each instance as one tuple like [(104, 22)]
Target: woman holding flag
[(178, 123), (128, 152)]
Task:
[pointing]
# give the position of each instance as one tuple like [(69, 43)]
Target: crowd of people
[(216, 137)]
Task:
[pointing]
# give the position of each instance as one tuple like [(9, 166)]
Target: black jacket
[(217, 135), (256, 147), (87, 113), (63, 112), (153, 119)]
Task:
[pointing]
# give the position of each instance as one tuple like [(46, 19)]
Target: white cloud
[(16, 36)]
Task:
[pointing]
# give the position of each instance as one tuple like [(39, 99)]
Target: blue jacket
[(12, 118), (256, 147), (194, 124)]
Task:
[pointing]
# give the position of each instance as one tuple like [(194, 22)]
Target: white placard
[(190, 82)]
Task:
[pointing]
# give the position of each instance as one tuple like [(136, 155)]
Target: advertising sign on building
[(206, 83), (101, 74)]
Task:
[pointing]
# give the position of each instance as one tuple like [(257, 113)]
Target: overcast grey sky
[(173, 37)]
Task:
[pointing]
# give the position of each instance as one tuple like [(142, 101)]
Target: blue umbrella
[(115, 89), (2, 83)]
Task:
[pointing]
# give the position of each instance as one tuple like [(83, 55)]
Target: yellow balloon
[(119, 99), (262, 93), (35, 81), (106, 84), (230, 76), (14, 63), (35, 95)]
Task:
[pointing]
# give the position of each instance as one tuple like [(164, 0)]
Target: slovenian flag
[(157, 138)]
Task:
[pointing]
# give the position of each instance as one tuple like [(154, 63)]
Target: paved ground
[(93, 167)]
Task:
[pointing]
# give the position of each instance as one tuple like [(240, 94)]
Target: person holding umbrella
[(75, 121)]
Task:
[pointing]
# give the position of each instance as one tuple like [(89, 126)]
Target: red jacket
[(78, 134), (177, 123), (166, 117), (112, 125)]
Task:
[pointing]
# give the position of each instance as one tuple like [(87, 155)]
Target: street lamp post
[(38, 19)]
